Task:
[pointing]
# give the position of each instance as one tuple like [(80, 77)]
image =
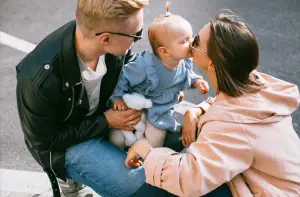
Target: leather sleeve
[(42, 127)]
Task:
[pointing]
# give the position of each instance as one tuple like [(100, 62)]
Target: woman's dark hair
[(234, 51)]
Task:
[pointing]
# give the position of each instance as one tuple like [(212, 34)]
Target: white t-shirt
[(92, 81)]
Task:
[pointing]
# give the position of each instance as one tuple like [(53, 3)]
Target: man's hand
[(120, 105), (122, 119), (202, 85)]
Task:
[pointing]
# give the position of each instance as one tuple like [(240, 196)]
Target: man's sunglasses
[(195, 44), (136, 37)]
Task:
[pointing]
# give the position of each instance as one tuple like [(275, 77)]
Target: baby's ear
[(163, 51)]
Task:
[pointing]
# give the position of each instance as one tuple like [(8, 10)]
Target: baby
[(160, 75)]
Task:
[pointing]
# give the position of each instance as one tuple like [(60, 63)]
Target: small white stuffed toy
[(138, 102)]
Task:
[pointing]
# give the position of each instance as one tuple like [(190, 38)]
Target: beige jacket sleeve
[(221, 152), (205, 105)]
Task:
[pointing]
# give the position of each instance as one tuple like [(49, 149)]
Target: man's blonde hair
[(103, 15)]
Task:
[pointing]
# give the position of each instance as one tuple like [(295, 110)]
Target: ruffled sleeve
[(151, 72), (132, 74)]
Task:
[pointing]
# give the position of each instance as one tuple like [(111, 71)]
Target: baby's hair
[(167, 7), (154, 42), (153, 37)]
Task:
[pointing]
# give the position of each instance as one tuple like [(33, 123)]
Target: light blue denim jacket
[(149, 77)]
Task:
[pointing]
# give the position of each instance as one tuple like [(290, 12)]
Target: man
[(62, 92)]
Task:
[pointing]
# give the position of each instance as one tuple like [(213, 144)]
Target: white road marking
[(24, 182), (16, 43)]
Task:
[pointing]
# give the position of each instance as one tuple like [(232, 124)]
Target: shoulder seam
[(244, 134), (43, 72)]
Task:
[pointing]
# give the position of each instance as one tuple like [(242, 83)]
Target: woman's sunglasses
[(195, 44), (195, 41), (136, 37)]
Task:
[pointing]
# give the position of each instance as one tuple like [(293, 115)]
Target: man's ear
[(104, 38), (163, 51)]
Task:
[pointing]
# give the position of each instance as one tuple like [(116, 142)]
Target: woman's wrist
[(205, 105), (143, 148), (194, 112), (147, 153)]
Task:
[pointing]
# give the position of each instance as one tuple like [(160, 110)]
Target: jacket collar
[(69, 63)]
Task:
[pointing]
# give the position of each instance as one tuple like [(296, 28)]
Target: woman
[(245, 136)]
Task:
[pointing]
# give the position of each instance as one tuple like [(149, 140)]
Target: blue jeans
[(100, 165)]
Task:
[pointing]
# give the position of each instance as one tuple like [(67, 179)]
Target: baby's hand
[(120, 105), (202, 85)]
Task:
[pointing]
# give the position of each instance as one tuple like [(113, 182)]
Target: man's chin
[(117, 52), (125, 53), (121, 53)]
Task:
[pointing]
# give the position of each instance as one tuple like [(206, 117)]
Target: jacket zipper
[(81, 93), (73, 98)]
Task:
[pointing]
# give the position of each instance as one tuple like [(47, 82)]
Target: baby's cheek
[(189, 51)]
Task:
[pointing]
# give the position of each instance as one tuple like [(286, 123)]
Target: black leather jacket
[(53, 103)]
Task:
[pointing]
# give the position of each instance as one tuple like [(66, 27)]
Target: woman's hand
[(140, 148), (190, 121)]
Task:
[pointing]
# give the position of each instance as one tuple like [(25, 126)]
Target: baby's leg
[(155, 136), (117, 138)]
